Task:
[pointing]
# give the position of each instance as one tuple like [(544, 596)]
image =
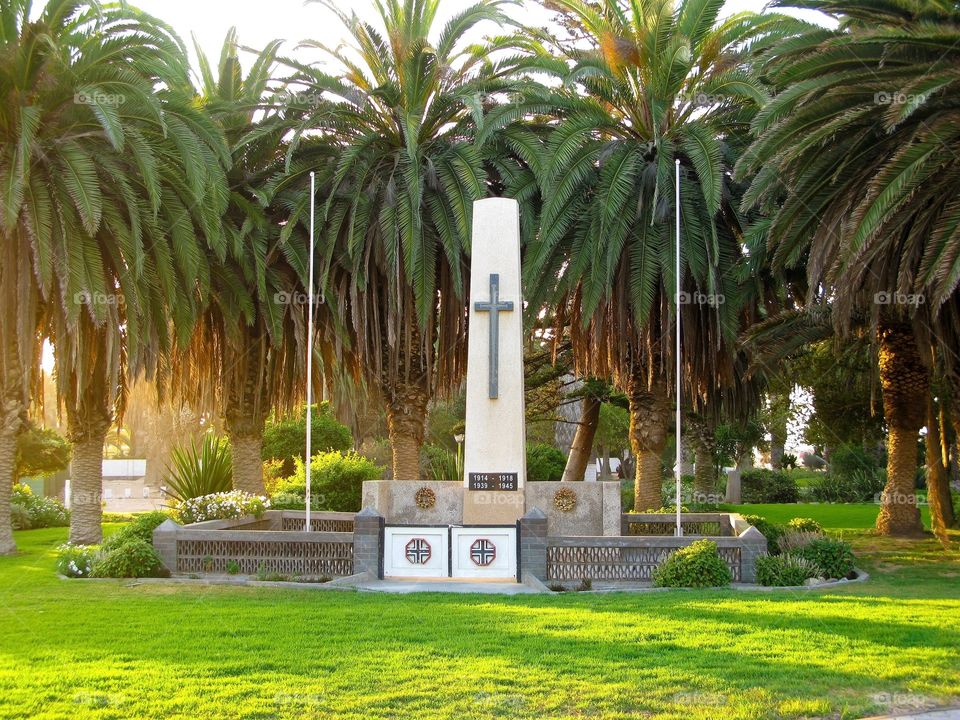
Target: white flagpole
[(679, 529), (310, 358)]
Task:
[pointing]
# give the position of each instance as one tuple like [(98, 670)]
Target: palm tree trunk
[(12, 412), (406, 422), (780, 408), (582, 445), (704, 473), (938, 486), (905, 383), (86, 485), (648, 435), (8, 453), (246, 450)]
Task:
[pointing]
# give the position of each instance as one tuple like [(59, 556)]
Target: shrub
[(792, 540), (859, 485), (848, 459), (76, 561), (133, 558), (788, 461), (545, 462), (805, 525), (40, 452), (19, 517), (768, 486), (336, 482), (272, 474), (769, 530), (221, 506), (834, 557), (784, 570), (202, 470), (113, 517), (286, 438), (36, 511), (140, 528), (697, 565), (441, 464)]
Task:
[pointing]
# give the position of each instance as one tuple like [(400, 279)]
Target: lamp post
[(459, 438)]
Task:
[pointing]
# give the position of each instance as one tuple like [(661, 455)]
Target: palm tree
[(246, 354), (856, 162), (656, 84), (108, 179), (396, 220)]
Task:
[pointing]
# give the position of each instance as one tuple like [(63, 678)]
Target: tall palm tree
[(109, 177), (405, 117), (246, 355), (655, 83), (856, 160)]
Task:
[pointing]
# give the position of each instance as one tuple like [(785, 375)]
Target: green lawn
[(832, 516), (116, 649)]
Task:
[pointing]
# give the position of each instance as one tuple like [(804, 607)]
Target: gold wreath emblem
[(426, 498), (565, 500)]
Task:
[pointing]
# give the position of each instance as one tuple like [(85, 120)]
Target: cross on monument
[(494, 307)]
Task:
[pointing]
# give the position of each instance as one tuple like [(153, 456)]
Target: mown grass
[(118, 649)]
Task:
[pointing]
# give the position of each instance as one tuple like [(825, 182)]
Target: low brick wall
[(703, 524), (634, 557), (260, 544)]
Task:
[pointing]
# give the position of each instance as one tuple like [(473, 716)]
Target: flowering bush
[(76, 560), (35, 511), (221, 506)]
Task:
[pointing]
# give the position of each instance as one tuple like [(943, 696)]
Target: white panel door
[(411, 552), (488, 553)]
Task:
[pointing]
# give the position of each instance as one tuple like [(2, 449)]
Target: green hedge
[(336, 482), (697, 565), (286, 438), (545, 462), (768, 486)]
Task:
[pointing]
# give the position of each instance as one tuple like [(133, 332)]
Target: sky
[(258, 23)]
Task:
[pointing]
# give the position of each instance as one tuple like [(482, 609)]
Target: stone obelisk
[(494, 459)]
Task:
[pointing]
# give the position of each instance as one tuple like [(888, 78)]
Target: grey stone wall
[(368, 543), (396, 501), (533, 544), (597, 511)]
